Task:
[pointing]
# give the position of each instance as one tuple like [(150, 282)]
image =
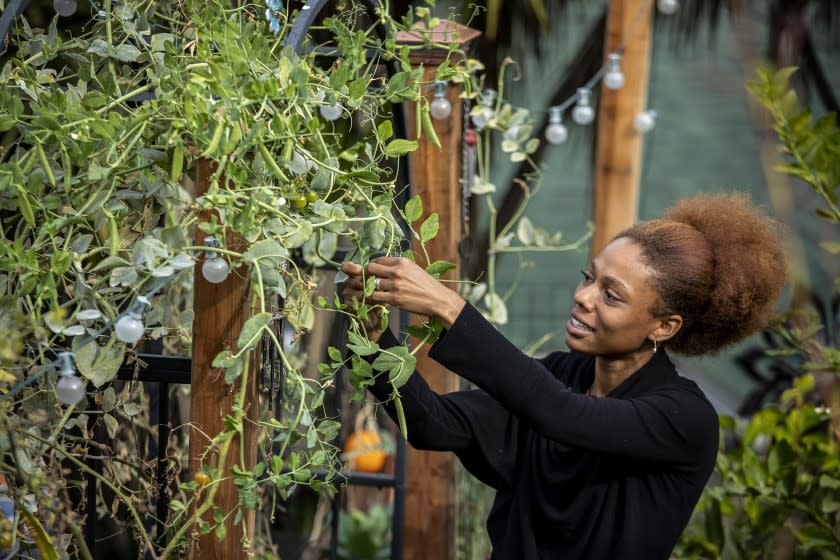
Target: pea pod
[(215, 140), (271, 163), (67, 167), (429, 128), (42, 155), (177, 162), (25, 206)]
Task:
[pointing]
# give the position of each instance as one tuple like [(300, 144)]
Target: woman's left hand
[(403, 284)]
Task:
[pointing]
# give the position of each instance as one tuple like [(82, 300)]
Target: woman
[(602, 451)]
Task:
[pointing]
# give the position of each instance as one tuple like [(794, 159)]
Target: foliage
[(106, 133), (365, 535), (779, 487)]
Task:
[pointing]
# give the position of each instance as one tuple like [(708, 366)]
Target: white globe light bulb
[(583, 114), (70, 389), (331, 112), (440, 108), (556, 133), (129, 329), (299, 165), (614, 79), (645, 121), (668, 7), (65, 8), (215, 270)]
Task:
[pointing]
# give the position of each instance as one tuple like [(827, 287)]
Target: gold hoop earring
[(655, 344)]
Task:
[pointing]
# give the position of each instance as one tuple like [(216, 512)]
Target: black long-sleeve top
[(575, 476)]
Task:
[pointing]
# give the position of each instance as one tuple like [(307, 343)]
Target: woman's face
[(611, 313)]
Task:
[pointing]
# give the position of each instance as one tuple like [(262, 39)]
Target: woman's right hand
[(402, 283)]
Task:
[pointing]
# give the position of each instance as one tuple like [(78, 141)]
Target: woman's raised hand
[(403, 284)]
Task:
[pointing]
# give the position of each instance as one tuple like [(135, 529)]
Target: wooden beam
[(220, 310), (618, 160), (430, 505)]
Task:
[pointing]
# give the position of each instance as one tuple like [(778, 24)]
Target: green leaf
[(429, 228), (496, 308), (439, 267), (100, 364), (414, 208), (249, 336), (398, 362), (360, 345), (6, 122), (832, 247), (111, 425), (127, 53), (384, 131), (335, 354), (400, 147), (109, 400)]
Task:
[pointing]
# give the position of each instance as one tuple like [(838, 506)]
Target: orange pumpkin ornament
[(364, 451)]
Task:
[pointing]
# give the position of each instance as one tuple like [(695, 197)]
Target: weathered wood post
[(618, 160), (435, 176), (220, 311)]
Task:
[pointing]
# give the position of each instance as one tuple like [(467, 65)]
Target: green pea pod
[(67, 166), (233, 140), (42, 155), (271, 163), (177, 162), (400, 414), (429, 128), (25, 206), (215, 140), (418, 117)]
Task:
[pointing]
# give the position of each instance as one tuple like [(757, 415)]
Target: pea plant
[(103, 132)]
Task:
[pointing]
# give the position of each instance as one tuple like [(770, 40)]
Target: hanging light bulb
[(645, 121), (215, 269), (614, 78), (583, 112), (300, 164), (440, 107), (65, 8), (129, 328), (556, 132), (485, 112), (331, 111), (70, 388), (668, 7)]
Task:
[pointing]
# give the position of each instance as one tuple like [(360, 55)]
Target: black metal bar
[(303, 22), (159, 369), (162, 463), (10, 14)]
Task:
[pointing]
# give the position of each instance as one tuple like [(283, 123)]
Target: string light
[(484, 111), (300, 164), (583, 113), (614, 78), (331, 112), (215, 269), (556, 132), (129, 328), (440, 108), (70, 388), (668, 7), (65, 8), (645, 121)]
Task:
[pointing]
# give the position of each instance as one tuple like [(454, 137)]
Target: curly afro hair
[(718, 263)]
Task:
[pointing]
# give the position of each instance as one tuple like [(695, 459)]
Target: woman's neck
[(611, 372)]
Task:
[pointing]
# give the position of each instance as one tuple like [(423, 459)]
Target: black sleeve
[(672, 425), (470, 423)]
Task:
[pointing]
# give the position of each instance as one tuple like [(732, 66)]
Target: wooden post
[(220, 310), (618, 160), (435, 176)]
